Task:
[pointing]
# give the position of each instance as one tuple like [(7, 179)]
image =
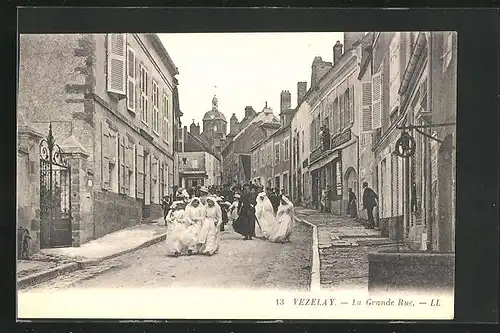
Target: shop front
[(326, 174)]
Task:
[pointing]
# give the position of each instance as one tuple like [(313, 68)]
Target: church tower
[(214, 125)]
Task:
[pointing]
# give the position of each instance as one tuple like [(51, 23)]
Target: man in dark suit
[(370, 201)]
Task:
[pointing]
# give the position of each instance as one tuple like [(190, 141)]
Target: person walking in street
[(370, 201), (176, 229), (245, 224), (224, 206), (264, 213), (233, 210), (203, 192), (194, 215), (209, 235), (352, 208), (165, 205), (285, 220)]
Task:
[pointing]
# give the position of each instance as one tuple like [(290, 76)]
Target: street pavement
[(239, 264), (344, 245)]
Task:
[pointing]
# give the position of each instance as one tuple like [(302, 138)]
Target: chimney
[(337, 52), (350, 38), (233, 124), (286, 101), (194, 129), (301, 91), (249, 112), (318, 69)]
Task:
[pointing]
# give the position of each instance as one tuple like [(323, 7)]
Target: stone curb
[(47, 275), (315, 267), (44, 276)]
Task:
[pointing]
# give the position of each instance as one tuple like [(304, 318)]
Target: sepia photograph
[(277, 175)]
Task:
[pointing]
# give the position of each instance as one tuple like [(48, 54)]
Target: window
[(156, 93), (131, 169), (131, 80), (336, 116), (116, 62), (144, 94), (166, 119), (194, 164), (285, 183), (277, 153), (286, 149), (447, 50), (113, 159)]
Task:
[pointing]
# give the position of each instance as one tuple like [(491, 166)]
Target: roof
[(214, 115), (165, 57), (194, 144), (261, 117)]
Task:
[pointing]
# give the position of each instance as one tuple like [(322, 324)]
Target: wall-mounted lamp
[(184, 159)]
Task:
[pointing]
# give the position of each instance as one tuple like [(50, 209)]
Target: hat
[(203, 189), (237, 196)]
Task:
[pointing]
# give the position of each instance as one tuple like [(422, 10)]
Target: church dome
[(214, 114)]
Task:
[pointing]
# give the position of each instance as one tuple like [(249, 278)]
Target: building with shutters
[(413, 79), (271, 154), (111, 100), (198, 164), (333, 105)]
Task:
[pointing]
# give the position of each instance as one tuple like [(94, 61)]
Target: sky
[(243, 68)]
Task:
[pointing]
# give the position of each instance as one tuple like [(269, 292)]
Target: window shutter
[(366, 104), (155, 168), (117, 46), (105, 155), (128, 157), (377, 101), (336, 119), (131, 79), (351, 104), (137, 86), (140, 172), (113, 146), (123, 174)]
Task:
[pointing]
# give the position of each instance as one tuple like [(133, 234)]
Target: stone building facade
[(236, 154), (198, 164), (109, 98), (414, 91)]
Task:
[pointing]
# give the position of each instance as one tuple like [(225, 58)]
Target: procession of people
[(196, 217)]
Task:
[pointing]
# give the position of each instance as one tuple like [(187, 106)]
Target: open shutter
[(117, 46), (113, 147), (366, 104), (131, 79), (140, 172), (123, 174), (336, 119), (377, 101), (351, 104), (105, 155), (128, 164)]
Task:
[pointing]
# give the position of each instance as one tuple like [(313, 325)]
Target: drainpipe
[(357, 171), (428, 144)]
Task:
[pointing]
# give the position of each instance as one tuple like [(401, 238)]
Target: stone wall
[(113, 212)]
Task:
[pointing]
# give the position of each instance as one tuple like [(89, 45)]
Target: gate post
[(81, 203), (28, 182)]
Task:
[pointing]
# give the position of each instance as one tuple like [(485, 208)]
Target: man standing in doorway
[(370, 199)]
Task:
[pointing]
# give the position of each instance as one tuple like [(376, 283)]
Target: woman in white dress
[(194, 215), (285, 219), (264, 213), (176, 229), (210, 232)]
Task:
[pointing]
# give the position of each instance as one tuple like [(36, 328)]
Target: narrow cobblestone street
[(344, 245), (239, 264)]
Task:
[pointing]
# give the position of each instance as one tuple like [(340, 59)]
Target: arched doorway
[(350, 181), (445, 205)]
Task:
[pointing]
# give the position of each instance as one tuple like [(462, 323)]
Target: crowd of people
[(195, 217)]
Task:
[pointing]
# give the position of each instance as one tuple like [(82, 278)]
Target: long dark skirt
[(245, 225), (352, 209)]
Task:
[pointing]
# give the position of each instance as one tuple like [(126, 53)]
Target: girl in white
[(176, 229), (210, 232), (264, 213), (285, 219), (233, 209), (193, 217)]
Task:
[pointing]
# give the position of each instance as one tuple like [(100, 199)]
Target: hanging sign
[(405, 146)]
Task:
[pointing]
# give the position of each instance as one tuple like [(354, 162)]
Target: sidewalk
[(50, 263), (343, 245)]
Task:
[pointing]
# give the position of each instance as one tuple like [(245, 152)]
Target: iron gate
[(55, 195)]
